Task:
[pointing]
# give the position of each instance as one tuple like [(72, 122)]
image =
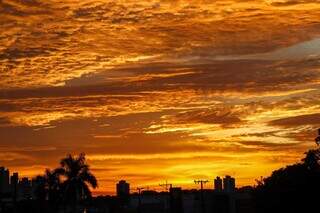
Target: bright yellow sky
[(161, 89)]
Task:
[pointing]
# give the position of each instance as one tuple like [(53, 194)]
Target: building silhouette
[(123, 188), (25, 189), (13, 188), (218, 184), (229, 184), (4, 181), (14, 180), (123, 192)]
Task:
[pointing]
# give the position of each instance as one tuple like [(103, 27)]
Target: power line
[(166, 185)]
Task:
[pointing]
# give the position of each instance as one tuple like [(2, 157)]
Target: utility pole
[(202, 182), (139, 189), (166, 185)]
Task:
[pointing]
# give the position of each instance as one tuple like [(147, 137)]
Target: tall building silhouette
[(4, 180), (25, 188), (14, 181), (123, 188), (218, 184), (123, 192), (229, 184)]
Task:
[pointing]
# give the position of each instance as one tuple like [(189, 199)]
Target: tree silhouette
[(77, 179), (291, 189), (312, 160), (49, 189)]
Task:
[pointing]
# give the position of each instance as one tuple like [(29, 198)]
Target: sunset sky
[(161, 89)]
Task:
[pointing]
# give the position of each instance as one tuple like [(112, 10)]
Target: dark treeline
[(294, 188)]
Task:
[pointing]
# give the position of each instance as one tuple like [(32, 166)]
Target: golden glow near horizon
[(159, 90)]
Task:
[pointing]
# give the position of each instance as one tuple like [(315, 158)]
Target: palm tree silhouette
[(48, 188), (78, 179)]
